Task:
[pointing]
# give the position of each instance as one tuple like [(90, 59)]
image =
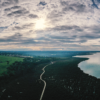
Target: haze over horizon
[(50, 25)]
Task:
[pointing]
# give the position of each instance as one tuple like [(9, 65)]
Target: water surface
[(92, 65)]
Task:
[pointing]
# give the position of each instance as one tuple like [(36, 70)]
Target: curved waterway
[(92, 65)]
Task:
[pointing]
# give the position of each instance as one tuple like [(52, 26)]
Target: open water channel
[(92, 65)]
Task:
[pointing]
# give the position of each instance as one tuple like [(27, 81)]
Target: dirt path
[(43, 80)]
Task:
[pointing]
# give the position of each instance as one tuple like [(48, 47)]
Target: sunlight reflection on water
[(92, 65)]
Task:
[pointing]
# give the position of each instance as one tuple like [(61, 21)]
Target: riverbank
[(92, 65)]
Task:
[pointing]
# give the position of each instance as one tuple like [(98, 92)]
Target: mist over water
[(50, 53), (92, 65)]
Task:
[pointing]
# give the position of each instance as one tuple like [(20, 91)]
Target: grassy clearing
[(3, 62)]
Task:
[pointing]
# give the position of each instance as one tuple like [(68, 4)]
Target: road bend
[(43, 81)]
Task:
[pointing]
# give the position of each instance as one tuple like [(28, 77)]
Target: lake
[(92, 65)]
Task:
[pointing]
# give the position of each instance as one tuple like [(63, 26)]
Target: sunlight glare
[(40, 24)]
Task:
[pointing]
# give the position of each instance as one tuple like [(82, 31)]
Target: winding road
[(43, 80)]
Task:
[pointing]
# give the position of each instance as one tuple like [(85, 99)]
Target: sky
[(65, 25)]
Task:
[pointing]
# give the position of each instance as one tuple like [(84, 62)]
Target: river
[(92, 65)]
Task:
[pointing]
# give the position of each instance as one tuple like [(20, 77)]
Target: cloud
[(66, 27), (87, 36), (9, 2), (7, 9), (76, 7), (54, 14), (2, 28), (12, 8), (15, 7), (18, 13), (26, 26), (67, 39), (43, 3), (17, 38), (32, 16), (63, 28)]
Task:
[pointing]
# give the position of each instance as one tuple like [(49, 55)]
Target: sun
[(40, 24)]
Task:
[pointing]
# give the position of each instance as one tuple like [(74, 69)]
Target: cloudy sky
[(50, 25)]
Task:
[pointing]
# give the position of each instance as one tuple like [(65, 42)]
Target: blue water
[(92, 65)]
